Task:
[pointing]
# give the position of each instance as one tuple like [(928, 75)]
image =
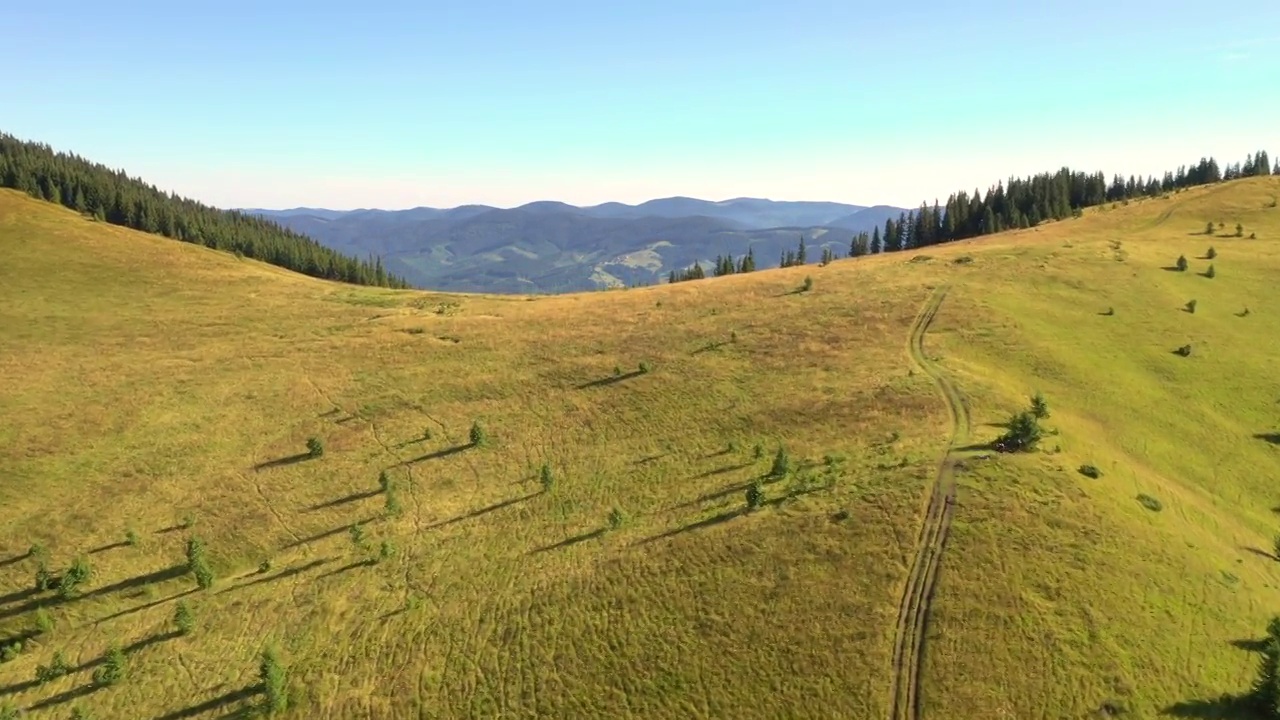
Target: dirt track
[(913, 609)]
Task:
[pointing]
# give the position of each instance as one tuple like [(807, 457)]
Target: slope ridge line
[(917, 594)]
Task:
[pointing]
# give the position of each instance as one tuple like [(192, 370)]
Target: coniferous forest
[(1022, 203), (114, 197)]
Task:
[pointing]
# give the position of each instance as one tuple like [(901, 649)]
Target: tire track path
[(917, 596)]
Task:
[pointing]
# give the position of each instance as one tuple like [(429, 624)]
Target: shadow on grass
[(713, 520), (367, 562), (1251, 644), (133, 582), (722, 471), (710, 346), (1172, 268), (14, 560), (413, 441), (650, 458), (172, 529), (1258, 551), (598, 532), (354, 497), (1224, 707), (212, 704), (331, 532), (131, 648), (17, 595), (1271, 437), (610, 380), (65, 697), (105, 548), (439, 454), (286, 573), (147, 606), (281, 462), (484, 510)]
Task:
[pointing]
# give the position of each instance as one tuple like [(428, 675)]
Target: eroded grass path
[(913, 609)]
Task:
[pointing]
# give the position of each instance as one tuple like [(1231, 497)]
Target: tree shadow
[(331, 532), (1224, 707), (281, 462), (483, 510), (171, 529), (1172, 268), (354, 497), (1256, 645), (17, 595), (286, 573), (367, 562), (147, 606), (740, 487), (56, 601), (213, 703), (1258, 552), (713, 520), (598, 532), (14, 560), (1243, 313), (710, 346), (105, 548), (650, 458), (610, 380), (131, 648), (1271, 437), (975, 447), (413, 441), (722, 471), (1205, 274), (439, 454), (66, 696)]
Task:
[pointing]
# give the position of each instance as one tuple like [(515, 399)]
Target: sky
[(400, 104)]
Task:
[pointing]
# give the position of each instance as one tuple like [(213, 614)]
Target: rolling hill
[(593, 554), (555, 247)]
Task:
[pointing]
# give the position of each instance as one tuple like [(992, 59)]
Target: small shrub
[(386, 551), (357, 536), (113, 668), (384, 481), (1253, 236), (781, 464), (644, 367), (9, 711), (274, 682), (545, 478), (44, 622), (1023, 434), (1184, 351), (1211, 253), (44, 579), (1039, 407), (264, 567), (1181, 264), (413, 602), (1090, 471), (808, 284), (131, 537), (391, 503), (10, 652), (616, 519), (477, 435), (757, 452), (1208, 229), (1150, 503), (78, 574), (755, 496), (1210, 273), (183, 618), (1191, 306), (617, 370), (1239, 230), (315, 447), (733, 336), (56, 668), (204, 574), (1110, 311)]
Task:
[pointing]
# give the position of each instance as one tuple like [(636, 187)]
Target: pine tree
[(801, 254), (877, 245)]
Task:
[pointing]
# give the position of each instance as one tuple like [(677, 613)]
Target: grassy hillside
[(148, 382)]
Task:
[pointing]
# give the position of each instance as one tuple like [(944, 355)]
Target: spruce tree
[(801, 254)]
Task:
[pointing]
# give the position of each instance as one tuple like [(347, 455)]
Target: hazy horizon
[(502, 103)]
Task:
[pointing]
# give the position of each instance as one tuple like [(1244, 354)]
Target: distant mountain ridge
[(551, 246)]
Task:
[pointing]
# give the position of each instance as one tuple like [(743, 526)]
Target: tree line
[(1019, 204), (114, 197)]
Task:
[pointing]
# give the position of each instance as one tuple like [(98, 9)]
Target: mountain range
[(548, 246)]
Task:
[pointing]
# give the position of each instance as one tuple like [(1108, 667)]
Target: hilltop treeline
[(1022, 203), (112, 196)]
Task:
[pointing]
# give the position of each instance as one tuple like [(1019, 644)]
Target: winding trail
[(913, 609)]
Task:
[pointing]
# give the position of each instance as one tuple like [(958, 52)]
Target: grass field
[(148, 382)]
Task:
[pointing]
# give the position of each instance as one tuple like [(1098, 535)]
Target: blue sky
[(398, 104)]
